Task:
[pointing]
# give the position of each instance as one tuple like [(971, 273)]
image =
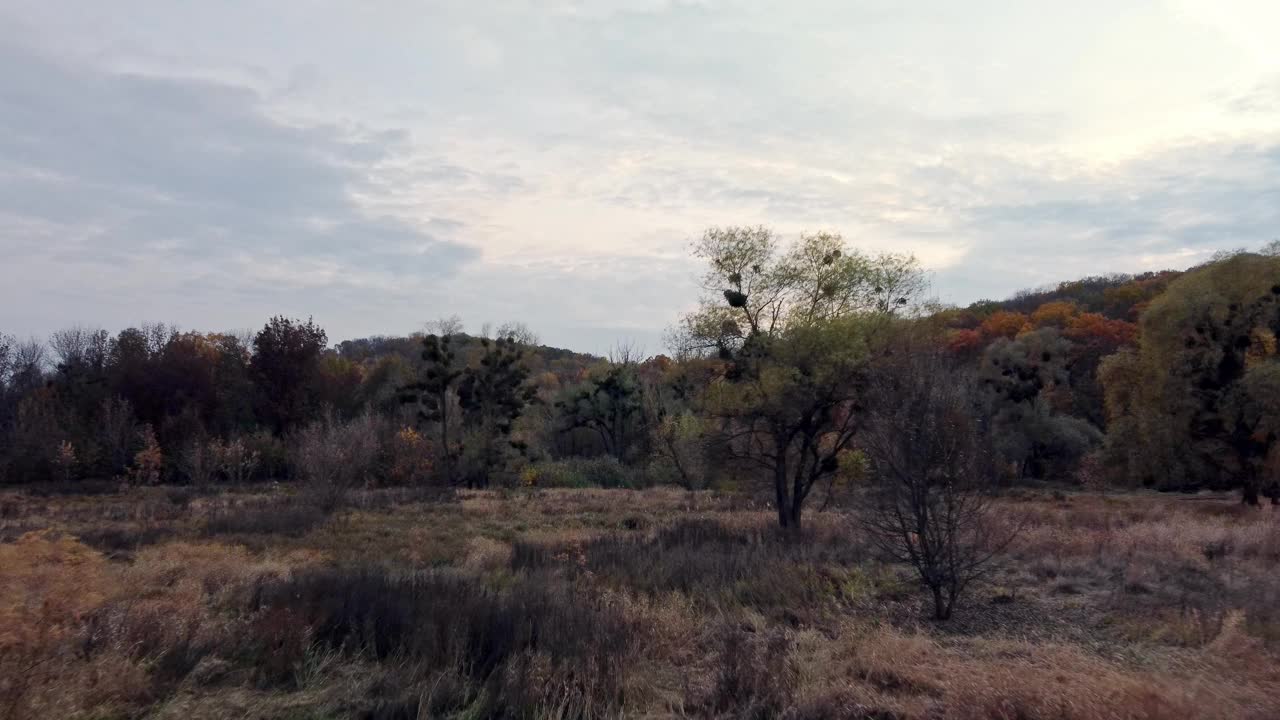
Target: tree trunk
[(795, 515), (1249, 493), (941, 608), (780, 489)]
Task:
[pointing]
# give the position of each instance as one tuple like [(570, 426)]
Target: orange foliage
[(1094, 328), (1004, 324), (1056, 314), (410, 457), (964, 341)]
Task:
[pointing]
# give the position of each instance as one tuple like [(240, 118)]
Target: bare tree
[(444, 326), (28, 364), (626, 352), (6, 357), (117, 431), (521, 333), (77, 347), (930, 469)]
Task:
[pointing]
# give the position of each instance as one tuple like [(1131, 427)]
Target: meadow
[(256, 602)]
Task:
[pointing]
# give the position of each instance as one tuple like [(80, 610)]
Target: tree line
[(1167, 380)]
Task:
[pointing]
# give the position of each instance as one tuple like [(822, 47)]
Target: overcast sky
[(379, 164)]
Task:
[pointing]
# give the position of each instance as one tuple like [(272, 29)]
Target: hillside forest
[(1166, 380)]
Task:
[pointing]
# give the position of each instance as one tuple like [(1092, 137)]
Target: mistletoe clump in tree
[(796, 327)]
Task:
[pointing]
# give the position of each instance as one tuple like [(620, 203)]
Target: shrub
[(235, 460), (332, 456), (755, 675), (717, 565), (197, 464), (148, 463), (534, 647), (274, 459), (286, 516), (603, 472), (410, 461)]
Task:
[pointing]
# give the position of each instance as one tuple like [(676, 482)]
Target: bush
[(755, 675), (234, 460), (333, 457), (717, 565), (290, 517), (148, 463), (410, 458), (531, 648), (601, 472), (272, 453)]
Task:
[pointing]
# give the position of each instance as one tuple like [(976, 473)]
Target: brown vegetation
[(611, 603)]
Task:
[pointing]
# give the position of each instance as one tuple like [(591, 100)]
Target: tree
[(285, 365), (492, 396), (1093, 337), (435, 397), (1026, 388), (1004, 324), (1055, 314), (795, 326), (757, 288), (30, 360), (519, 333), (680, 432), (79, 348), (930, 469), (610, 405), (788, 408), (6, 358), (444, 326), (1189, 407)]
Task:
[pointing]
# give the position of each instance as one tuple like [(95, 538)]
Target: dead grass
[(595, 603)]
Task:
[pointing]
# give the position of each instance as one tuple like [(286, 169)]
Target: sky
[(380, 164)]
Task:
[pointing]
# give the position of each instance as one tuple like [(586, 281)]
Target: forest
[(831, 496)]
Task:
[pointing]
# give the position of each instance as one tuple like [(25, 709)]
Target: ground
[(254, 603)]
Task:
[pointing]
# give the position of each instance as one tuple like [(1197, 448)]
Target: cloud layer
[(380, 164)]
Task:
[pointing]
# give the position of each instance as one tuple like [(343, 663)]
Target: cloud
[(1170, 207), (113, 172), (549, 161)]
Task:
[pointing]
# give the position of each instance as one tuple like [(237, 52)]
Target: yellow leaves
[(1056, 314), (410, 457), (1262, 347), (1004, 324)]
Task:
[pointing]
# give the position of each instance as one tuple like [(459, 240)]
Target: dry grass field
[(171, 603)]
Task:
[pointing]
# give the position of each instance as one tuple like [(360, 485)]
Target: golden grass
[(1103, 610)]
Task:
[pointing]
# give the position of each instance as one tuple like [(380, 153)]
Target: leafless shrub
[(332, 456), (234, 460), (755, 675), (197, 464), (931, 472)]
